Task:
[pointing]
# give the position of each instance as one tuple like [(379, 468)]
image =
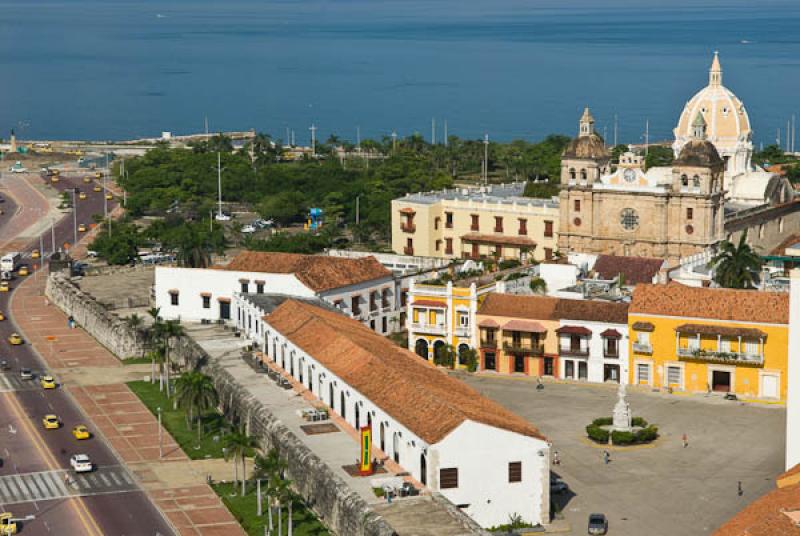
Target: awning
[(205, 294), (407, 211), (528, 326), (611, 334), (488, 323), (518, 241), (574, 330), (728, 331), (244, 280), (643, 326), (173, 291), (224, 300), (429, 303)]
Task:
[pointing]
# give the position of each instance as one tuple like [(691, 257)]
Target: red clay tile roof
[(792, 476), (318, 272), (574, 330), (675, 299), (425, 400), (635, 270), (488, 323), (766, 516), (527, 326), (519, 241), (547, 308), (611, 334), (430, 303), (704, 329)]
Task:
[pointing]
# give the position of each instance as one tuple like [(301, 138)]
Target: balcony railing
[(408, 227), (573, 352), (463, 331), (436, 329), (721, 357), (523, 347), (488, 344), (643, 348), (611, 355)]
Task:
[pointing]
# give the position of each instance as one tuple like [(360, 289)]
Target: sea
[(509, 69)]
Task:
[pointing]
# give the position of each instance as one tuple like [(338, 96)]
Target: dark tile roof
[(548, 308), (635, 270)]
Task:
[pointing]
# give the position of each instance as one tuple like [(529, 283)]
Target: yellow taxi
[(3, 286), (14, 339), (8, 525), (35, 254), (2, 317), (51, 422), (23, 271), (82, 196), (47, 382), (109, 197), (97, 188), (54, 179), (82, 228), (81, 432), (87, 179), (98, 175)]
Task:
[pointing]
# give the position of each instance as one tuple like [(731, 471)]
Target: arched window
[(396, 447), (423, 470), (291, 364), (383, 438), (300, 369), (330, 390), (583, 175), (358, 416), (572, 173), (421, 348), (462, 354), (310, 380), (342, 407), (696, 181), (684, 181)]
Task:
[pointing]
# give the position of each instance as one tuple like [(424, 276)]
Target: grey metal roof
[(508, 194), (270, 302)]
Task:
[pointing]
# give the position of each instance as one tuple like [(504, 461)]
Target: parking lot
[(659, 489)]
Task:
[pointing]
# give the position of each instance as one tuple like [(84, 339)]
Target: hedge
[(603, 421), (596, 433), (645, 434)]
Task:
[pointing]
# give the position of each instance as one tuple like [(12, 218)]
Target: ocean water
[(118, 69)]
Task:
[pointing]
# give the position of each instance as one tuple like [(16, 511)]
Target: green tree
[(538, 285), (284, 207), (195, 391), (658, 156), (735, 265), (237, 447)]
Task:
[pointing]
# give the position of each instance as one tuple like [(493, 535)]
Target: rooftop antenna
[(646, 137), (445, 132), (219, 185), (486, 159), (313, 130), (433, 131), (287, 136), (358, 139), (615, 130), (205, 121), (394, 141)]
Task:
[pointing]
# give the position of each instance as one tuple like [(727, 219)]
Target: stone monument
[(622, 412)]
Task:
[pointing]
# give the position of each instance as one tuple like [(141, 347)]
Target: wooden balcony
[(523, 347), (408, 227)]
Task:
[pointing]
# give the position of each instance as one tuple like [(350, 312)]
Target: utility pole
[(788, 135), (486, 159), (646, 137), (205, 120), (445, 132), (394, 141), (74, 217), (219, 185), (160, 445), (313, 130), (358, 139), (615, 130), (105, 203), (358, 219), (433, 131), (605, 137), (52, 235)]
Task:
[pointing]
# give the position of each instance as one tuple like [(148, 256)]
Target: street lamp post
[(160, 445), (74, 217)]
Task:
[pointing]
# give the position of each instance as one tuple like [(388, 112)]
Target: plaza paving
[(661, 489)]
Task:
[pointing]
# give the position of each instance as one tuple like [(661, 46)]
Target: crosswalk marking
[(12, 382), (49, 485)]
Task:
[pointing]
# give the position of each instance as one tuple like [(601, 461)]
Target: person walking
[(556, 458), (685, 440), (606, 457), (739, 490)]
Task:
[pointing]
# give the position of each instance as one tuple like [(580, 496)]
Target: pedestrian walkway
[(49, 485)]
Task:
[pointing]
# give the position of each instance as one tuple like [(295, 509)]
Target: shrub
[(603, 421), (648, 434), (508, 263), (622, 438), (596, 433), (638, 421)]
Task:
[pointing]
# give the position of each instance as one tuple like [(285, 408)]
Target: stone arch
[(383, 437), (438, 346), (583, 175), (572, 173), (423, 469), (396, 447), (421, 348), (684, 181), (342, 405), (462, 349)]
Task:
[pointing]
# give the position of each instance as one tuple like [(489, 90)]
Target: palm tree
[(172, 330), (195, 391), (237, 447), (269, 468), (735, 266)]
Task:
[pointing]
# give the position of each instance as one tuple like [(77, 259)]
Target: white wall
[(596, 359), (558, 276), (191, 282), (363, 291), (793, 393), (482, 454)]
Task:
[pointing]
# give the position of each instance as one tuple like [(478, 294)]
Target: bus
[(8, 263)]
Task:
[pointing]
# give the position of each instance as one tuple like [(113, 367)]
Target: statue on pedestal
[(622, 412)]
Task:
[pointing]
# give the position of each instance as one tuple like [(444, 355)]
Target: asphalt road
[(27, 447)]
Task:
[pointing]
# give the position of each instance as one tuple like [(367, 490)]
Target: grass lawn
[(244, 510), (136, 361), (214, 424)]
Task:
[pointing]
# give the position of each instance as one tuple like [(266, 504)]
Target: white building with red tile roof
[(361, 288), (483, 458)]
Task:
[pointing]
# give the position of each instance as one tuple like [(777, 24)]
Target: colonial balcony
[(462, 331), (715, 356), (611, 354), (489, 343), (523, 347), (408, 227), (643, 348), (573, 352), (432, 329)]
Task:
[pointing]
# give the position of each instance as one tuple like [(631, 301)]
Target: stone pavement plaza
[(660, 489)]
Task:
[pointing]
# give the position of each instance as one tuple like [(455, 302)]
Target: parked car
[(558, 486), (598, 524), (247, 229)]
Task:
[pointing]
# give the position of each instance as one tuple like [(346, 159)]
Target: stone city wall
[(339, 507)]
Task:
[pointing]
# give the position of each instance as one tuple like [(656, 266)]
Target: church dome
[(699, 153), (725, 115), (588, 145)]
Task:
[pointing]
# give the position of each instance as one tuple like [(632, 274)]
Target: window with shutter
[(448, 478), (515, 471)]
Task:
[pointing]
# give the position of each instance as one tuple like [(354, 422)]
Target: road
[(108, 504)]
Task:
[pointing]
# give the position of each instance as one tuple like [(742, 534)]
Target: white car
[(80, 463), (222, 217), (17, 168), (248, 229)]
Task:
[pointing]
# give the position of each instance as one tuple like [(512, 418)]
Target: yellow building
[(441, 315), (493, 222), (706, 340)]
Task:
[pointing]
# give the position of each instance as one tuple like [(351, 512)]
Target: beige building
[(711, 192), (492, 222)]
